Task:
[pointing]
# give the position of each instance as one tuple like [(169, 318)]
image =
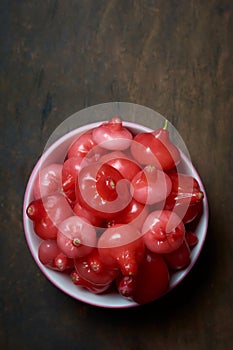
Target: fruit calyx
[(76, 242), (116, 123)]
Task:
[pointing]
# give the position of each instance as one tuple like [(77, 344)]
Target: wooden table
[(58, 57)]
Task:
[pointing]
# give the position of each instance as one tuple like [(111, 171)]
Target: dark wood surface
[(57, 57)]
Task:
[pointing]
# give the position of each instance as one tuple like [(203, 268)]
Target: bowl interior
[(56, 154)]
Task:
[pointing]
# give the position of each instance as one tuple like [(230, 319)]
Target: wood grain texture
[(57, 57)]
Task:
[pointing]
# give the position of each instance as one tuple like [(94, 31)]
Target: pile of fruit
[(115, 213)]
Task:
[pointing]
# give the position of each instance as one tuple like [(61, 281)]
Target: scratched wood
[(58, 57)]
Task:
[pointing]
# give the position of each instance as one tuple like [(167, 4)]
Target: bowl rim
[(26, 221)]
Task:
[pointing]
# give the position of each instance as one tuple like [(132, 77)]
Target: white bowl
[(56, 153)]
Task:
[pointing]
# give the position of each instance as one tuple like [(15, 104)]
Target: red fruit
[(45, 228), (112, 135), (193, 212), (135, 214), (106, 182), (76, 237), (91, 287), (62, 262), (191, 238), (152, 280), (47, 252), (50, 255), (185, 197), (47, 213), (35, 210), (84, 213), (126, 166), (126, 286), (163, 231), (93, 270), (179, 258), (155, 148), (70, 170), (122, 246), (102, 190), (82, 145), (150, 185), (48, 181)]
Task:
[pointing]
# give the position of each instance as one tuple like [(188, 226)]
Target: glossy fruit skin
[(92, 269), (50, 255), (91, 287), (76, 237), (121, 246), (47, 213), (163, 231), (70, 170), (82, 145), (191, 239), (129, 253), (192, 212), (47, 252), (62, 262), (179, 258), (112, 135), (95, 221), (48, 181), (150, 186), (127, 167), (152, 280), (35, 210), (185, 198), (155, 148), (45, 228), (126, 286), (135, 214), (102, 190)]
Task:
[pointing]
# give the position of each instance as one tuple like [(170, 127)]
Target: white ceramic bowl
[(56, 153)]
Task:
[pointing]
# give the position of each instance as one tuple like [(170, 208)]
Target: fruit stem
[(165, 124), (127, 265)]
